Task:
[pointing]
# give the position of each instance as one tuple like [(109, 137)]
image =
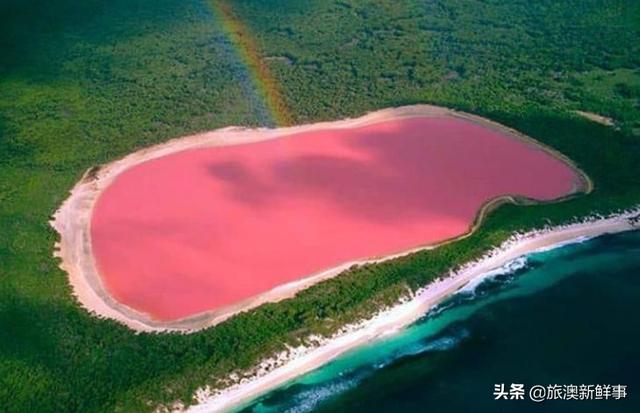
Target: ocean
[(564, 317)]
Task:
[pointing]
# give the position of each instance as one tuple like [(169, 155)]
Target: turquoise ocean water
[(568, 316)]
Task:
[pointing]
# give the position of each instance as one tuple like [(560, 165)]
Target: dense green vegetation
[(476, 54), (82, 83)]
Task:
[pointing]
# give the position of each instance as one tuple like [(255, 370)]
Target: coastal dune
[(182, 235)]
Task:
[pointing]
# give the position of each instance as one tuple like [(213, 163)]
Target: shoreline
[(72, 220), (282, 368)]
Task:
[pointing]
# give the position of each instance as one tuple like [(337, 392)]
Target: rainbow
[(245, 45)]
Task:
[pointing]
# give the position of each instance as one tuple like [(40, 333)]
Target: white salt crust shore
[(72, 220), (290, 364)]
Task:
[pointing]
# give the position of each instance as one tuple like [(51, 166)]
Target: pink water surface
[(202, 229)]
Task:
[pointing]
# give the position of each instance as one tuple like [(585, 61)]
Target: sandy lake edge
[(72, 219)]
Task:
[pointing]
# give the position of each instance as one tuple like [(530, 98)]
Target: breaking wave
[(442, 342), (309, 398), (510, 268), (484, 284)]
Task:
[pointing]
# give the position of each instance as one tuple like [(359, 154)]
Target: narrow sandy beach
[(73, 220), (604, 120), (277, 371)]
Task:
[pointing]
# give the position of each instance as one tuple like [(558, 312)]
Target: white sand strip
[(596, 118), (302, 360)]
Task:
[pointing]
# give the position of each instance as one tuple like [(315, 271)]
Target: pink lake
[(202, 229)]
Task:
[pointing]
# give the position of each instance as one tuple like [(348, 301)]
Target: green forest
[(84, 83)]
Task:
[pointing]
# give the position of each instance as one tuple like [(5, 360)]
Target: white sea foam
[(508, 268), (307, 400), (441, 343), (447, 342)]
